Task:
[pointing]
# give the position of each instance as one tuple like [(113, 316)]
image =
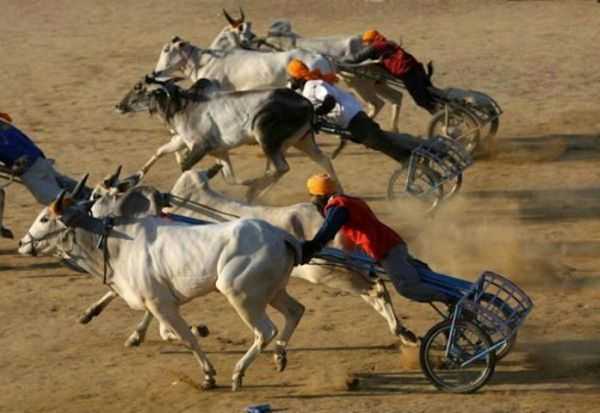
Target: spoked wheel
[(421, 194), (446, 372), (488, 130), (450, 187), (504, 310), (457, 124)]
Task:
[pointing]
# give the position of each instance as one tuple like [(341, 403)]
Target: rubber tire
[(425, 345)]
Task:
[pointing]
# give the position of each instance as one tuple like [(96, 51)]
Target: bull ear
[(214, 170), (175, 39), (79, 187), (230, 19)]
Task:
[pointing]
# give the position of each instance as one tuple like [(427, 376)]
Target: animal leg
[(137, 337), (227, 169), (167, 314), (394, 97), (340, 148), (175, 144), (308, 145), (260, 186), (380, 300), (292, 311), (374, 293), (4, 232), (254, 315), (95, 309), (365, 89)]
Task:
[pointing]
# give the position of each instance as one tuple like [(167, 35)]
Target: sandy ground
[(530, 212)]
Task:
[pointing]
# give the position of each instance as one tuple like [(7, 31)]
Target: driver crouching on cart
[(20, 157), (400, 64), (361, 229), (345, 111)]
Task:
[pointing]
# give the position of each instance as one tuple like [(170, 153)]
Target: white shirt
[(346, 107)]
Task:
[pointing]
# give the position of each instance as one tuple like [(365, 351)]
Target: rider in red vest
[(399, 63), (361, 229)]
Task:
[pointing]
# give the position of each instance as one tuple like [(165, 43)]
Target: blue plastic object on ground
[(259, 408)]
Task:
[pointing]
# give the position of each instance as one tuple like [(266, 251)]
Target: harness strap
[(103, 244)]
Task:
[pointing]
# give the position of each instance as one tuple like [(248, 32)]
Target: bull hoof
[(208, 383), (200, 330), (6, 233), (134, 340), (86, 318), (280, 360), (236, 383)]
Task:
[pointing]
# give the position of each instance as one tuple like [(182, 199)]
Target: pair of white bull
[(156, 264)]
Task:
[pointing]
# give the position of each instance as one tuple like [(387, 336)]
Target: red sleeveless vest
[(363, 228), (395, 59)]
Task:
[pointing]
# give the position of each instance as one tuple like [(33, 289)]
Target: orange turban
[(298, 70), (321, 185), (371, 35), (5, 116)]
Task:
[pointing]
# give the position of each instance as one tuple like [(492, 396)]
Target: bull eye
[(44, 219), (166, 49)]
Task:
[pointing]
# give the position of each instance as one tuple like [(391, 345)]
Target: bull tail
[(293, 245)]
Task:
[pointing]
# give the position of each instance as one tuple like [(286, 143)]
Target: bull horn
[(230, 19), (80, 185), (214, 170), (242, 17), (110, 181), (57, 206)]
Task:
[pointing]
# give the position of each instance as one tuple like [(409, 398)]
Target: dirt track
[(531, 212)]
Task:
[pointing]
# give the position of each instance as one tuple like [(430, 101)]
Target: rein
[(49, 235), (208, 208), (211, 209), (102, 244)]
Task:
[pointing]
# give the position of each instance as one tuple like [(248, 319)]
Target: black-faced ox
[(207, 121), (157, 265), (192, 196)]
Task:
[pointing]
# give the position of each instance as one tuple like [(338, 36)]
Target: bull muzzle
[(121, 108)]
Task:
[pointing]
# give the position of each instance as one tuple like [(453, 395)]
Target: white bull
[(157, 265), (233, 68), (192, 196)]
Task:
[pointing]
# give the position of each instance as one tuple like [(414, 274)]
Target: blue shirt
[(14, 144)]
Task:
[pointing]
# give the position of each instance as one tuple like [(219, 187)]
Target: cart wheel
[(505, 310), (422, 194), (449, 187), (445, 372), (456, 124), (492, 129)]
